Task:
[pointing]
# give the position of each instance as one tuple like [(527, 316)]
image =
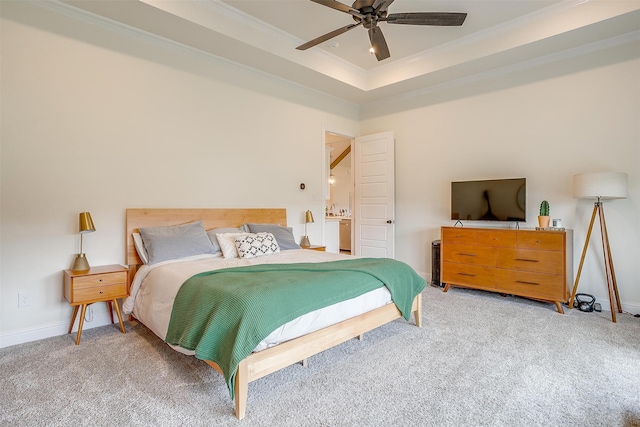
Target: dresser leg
[(559, 307)]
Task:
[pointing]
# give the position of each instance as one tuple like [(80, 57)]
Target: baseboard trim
[(626, 308), (22, 336)]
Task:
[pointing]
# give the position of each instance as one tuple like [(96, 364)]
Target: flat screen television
[(489, 200)]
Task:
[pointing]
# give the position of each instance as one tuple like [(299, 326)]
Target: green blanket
[(224, 314)]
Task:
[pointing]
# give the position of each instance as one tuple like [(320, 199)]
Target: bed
[(288, 345)]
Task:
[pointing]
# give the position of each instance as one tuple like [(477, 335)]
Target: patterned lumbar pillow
[(254, 245)]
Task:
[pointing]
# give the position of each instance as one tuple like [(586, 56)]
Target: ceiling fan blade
[(378, 43), (446, 19), (339, 6), (327, 36), (381, 5)]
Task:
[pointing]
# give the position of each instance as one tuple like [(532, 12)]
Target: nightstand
[(315, 248), (105, 283)]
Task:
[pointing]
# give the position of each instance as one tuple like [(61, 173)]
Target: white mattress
[(155, 287)]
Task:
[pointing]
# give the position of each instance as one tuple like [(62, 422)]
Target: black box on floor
[(435, 264)]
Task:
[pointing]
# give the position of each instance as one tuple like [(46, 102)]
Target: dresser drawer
[(545, 240), (99, 280), (459, 236), (530, 260), (106, 292), (498, 238), (464, 274), (469, 254), (532, 285)]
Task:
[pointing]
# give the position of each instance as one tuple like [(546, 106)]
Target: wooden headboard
[(211, 218)]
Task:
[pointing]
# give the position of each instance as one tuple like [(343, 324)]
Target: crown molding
[(267, 50), (630, 37)]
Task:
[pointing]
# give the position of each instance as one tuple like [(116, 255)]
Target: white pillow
[(255, 245), (142, 252), (228, 244)]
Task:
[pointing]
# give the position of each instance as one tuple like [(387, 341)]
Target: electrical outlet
[(24, 300)]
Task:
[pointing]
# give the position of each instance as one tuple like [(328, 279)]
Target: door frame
[(325, 179)]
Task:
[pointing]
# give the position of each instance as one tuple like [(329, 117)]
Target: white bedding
[(154, 288)]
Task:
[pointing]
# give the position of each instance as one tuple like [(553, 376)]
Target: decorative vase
[(543, 221)]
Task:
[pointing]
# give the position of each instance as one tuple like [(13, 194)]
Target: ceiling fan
[(369, 12)]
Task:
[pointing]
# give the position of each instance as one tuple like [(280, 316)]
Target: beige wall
[(546, 123), (95, 120)]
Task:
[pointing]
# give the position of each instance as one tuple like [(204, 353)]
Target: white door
[(374, 208)]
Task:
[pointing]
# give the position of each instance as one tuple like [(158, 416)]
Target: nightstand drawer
[(97, 280), (104, 292)]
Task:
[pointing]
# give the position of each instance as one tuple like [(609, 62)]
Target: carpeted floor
[(479, 360)]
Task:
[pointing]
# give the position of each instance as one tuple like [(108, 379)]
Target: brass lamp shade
[(80, 263), (309, 217), (86, 223)]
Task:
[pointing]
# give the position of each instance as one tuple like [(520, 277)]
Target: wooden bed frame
[(262, 363)]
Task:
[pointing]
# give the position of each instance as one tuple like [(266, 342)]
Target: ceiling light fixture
[(334, 45), (371, 51)]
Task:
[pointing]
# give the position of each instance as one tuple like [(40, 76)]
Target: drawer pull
[(467, 274), (467, 254), (527, 260), (527, 283), (101, 292)]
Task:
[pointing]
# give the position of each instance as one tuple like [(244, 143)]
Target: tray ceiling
[(263, 34)]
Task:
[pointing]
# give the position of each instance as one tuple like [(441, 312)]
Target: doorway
[(367, 201), (338, 197)]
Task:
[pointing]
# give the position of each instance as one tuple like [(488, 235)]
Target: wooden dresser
[(527, 263)]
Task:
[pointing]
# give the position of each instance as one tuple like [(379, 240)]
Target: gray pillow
[(222, 230), (178, 241), (283, 235)]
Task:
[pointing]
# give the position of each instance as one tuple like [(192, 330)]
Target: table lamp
[(305, 239), (86, 226), (600, 186)]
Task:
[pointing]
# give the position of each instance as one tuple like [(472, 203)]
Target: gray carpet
[(479, 360)]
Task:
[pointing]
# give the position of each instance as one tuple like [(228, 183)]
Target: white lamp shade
[(600, 185)]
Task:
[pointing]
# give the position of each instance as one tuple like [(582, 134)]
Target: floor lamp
[(600, 186)]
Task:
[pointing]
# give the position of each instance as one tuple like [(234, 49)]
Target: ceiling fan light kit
[(369, 13)]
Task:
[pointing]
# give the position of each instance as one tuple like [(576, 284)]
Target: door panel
[(374, 159), (375, 211)]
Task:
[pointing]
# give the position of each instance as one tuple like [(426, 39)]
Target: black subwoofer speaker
[(435, 263)]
